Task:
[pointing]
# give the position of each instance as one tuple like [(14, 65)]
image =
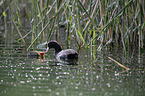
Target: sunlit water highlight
[(95, 75)]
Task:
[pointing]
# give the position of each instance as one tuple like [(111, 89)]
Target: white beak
[(47, 49)]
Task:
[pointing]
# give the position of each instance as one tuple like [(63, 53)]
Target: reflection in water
[(20, 75), (41, 55)]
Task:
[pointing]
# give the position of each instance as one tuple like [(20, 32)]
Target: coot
[(68, 55)]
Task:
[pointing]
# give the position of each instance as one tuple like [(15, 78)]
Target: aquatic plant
[(95, 22)]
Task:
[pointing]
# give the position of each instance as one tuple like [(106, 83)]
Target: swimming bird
[(36, 55), (67, 55)]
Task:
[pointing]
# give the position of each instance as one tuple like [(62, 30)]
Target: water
[(95, 74)]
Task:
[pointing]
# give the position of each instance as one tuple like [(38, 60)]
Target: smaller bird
[(68, 55), (36, 55)]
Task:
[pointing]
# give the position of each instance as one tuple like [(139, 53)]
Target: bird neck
[(57, 49)]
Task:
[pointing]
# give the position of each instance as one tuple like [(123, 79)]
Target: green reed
[(95, 22)]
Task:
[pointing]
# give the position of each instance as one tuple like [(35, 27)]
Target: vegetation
[(88, 22)]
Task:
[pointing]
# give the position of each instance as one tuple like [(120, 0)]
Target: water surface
[(95, 74)]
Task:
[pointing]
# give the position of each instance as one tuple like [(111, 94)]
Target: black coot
[(68, 55)]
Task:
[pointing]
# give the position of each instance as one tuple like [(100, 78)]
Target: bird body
[(67, 55)]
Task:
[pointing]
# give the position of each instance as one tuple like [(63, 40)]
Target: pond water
[(95, 74)]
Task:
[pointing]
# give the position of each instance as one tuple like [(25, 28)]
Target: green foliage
[(103, 22)]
